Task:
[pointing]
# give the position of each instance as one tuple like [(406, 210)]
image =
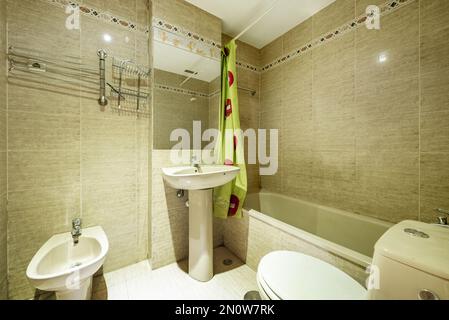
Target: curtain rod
[(255, 21)]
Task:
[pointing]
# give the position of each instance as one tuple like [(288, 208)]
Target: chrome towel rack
[(128, 85)]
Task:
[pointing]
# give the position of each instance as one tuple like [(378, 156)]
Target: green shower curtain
[(229, 199)]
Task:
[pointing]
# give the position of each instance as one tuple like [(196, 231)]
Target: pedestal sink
[(200, 181)]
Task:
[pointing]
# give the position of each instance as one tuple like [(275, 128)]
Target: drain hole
[(228, 262), (252, 295)]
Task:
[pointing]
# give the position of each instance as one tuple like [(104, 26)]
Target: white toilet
[(411, 262)]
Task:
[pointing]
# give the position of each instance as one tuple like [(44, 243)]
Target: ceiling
[(237, 15)]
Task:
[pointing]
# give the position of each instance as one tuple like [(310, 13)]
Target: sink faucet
[(76, 230), (442, 220), (196, 163)]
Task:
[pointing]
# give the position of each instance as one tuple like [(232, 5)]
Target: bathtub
[(344, 239)]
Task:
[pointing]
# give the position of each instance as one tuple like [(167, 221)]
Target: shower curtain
[(229, 199)]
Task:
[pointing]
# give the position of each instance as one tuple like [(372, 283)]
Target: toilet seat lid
[(295, 276)]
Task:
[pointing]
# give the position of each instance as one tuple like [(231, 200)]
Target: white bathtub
[(346, 235)]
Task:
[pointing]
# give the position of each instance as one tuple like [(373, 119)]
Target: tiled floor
[(139, 282)]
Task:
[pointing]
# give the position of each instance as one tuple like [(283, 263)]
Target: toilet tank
[(411, 262)]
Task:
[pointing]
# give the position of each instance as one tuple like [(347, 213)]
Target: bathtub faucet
[(76, 230), (442, 220)]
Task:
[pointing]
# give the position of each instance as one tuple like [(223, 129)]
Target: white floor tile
[(139, 282)]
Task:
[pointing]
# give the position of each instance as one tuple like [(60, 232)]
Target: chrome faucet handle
[(76, 223)]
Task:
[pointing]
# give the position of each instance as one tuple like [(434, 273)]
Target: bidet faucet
[(442, 220), (76, 230)]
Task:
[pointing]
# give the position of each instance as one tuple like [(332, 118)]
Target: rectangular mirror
[(186, 85)]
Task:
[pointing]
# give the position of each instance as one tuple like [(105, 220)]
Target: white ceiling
[(238, 14)]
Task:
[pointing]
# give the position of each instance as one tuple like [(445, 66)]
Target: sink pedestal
[(201, 260)]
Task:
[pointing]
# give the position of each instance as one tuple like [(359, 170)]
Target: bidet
[(67, 268)]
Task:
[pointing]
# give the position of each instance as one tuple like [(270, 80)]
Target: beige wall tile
[(434, 185), (341, 146), (298, 36), (271, 51), (333, 16), (34, 131), (3, 157), (66, 157), (188, 16), (3, 173), (361, 5), (3, 249)]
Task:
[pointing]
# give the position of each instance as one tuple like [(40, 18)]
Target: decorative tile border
[(188, 44), (201, 41), (187, 92), (169, 27), (104, 16), (195, 42), (247, 66), (386, 8)]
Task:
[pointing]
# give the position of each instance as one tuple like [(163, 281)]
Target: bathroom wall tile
[(30, 25), (57, 102), (3, 248), (169, 217), (68, 158), (3, 157), (297, 127), (434, 96), (143, 51), (434, 47), (184, 14), (33, 170), (271, 51), (298, 36), (123, 8), (362, 5), (259, 244), (395, 133), (236, 236), (3, 173), (433, 16), (170, 237), (397, 41), (34, 132), (434, 184), (334, 15), (144, 11), (434, 105), (269, 121), (435, 132), (387, 184), (122, 45), (57, 206), (271, 91), (334, 193)]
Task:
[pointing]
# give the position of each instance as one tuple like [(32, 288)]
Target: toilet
[(411, 262)]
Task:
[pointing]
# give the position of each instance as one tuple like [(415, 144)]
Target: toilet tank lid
[(419, 245)]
